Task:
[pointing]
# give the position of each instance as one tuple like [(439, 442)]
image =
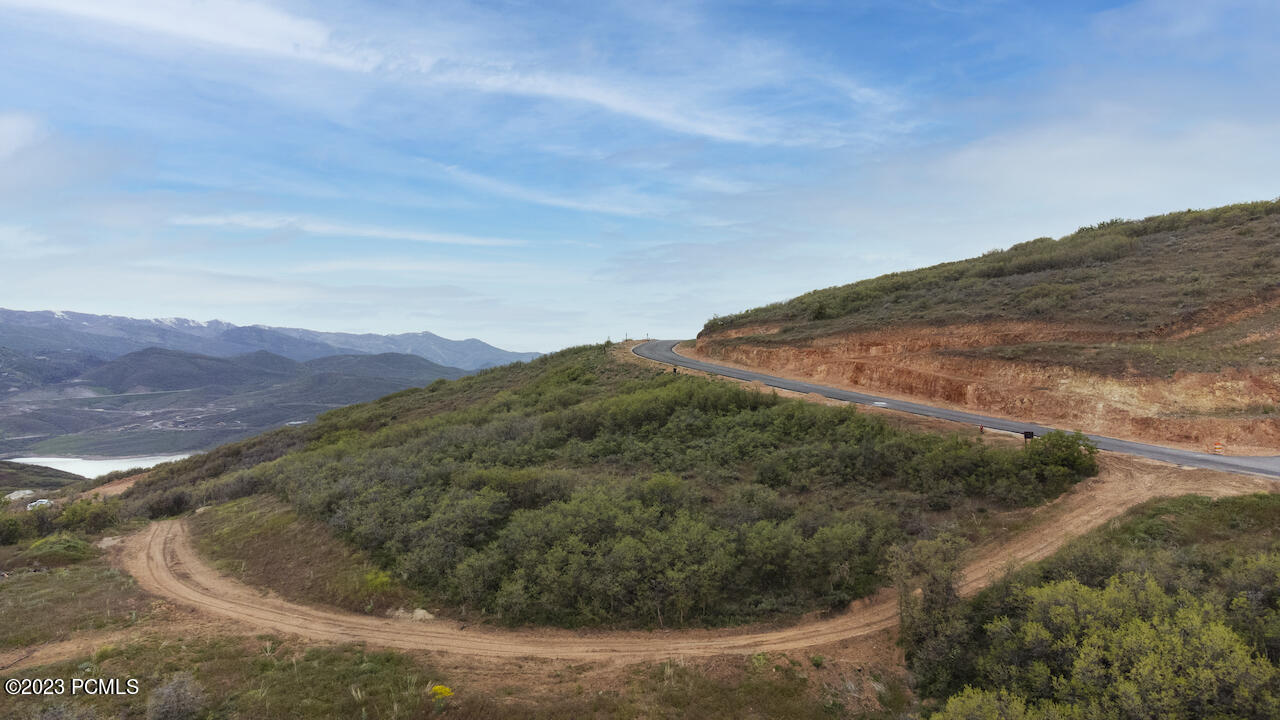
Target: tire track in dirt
[(163, 561)]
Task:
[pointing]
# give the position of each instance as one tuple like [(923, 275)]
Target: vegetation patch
[(1173, 612), (578, 490), (244, 678), (60, 549), (269, 677), (41, 606), (263, 542), (89, 516)]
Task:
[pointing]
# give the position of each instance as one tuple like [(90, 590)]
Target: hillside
[(581, 490), (157, 400), (22, 371), (400, 366), (108, 336), (155, 369), (1163, 329), (20, 476)]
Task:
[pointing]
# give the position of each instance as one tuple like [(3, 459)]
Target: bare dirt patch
[(115, 487)]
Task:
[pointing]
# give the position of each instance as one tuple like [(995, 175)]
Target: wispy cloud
[(412, 265), (18, 242), (538, 173), (316, 226), (18, 131), (702, 104), (664, 109), (618, 201), (228, 24)]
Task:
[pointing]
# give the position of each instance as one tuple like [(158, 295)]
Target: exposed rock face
[(1189, 409)]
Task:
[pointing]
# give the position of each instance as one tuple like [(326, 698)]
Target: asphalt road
[(663, 351)]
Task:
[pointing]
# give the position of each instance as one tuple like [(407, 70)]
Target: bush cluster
[(1175, 613), (585, 492)]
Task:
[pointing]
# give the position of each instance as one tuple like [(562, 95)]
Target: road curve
[(163, 561), (161, 558), (663, 351)]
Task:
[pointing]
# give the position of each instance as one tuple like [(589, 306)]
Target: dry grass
[(262, 542), (41, 606)]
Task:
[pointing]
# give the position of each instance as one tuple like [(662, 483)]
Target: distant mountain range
[(79, 384), (109, 336)]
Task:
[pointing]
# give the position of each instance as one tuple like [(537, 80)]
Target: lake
[(101, 466)]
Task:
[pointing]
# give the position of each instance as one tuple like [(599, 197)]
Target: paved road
[(663, 351)]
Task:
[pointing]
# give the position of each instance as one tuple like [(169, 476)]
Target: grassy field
[(266, 677), (90, 595), (1134, 280)]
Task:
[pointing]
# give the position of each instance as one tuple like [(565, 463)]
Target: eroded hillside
[(1165, 329)]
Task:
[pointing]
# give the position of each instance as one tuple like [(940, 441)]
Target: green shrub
[(1172, 612), (89, 515), (60, 549), (12, 530)]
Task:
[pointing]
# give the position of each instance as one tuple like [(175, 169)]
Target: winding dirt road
[(164, 562)]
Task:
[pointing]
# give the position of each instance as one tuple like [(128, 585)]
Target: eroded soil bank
[(1194, 410)]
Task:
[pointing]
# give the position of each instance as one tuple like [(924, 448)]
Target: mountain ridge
[(111, 336)]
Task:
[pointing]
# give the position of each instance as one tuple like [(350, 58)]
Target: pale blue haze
[(545, 174)]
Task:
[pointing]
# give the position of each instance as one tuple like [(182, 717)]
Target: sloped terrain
[(165, 562), (580, 490), (18, 476), (1165, 330)]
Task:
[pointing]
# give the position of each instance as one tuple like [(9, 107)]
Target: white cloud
[(664, 109), (230, 24), (18, 131), (612, 202), (698, 103), (1124, 170), (488, 273), (316, 226), (18, 242)]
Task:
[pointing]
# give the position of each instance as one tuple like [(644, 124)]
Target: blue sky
[(540, 174)]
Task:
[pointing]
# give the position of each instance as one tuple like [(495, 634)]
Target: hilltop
[(1165, 329)]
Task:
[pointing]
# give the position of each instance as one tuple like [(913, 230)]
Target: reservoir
[(100, 466)]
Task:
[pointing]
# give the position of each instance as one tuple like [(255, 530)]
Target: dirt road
[(113, 488), (164, 562)]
